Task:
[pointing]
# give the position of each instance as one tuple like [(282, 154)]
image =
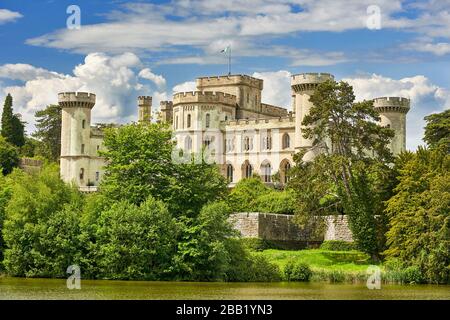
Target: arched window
[(266, 171), (83, 124), (188, 143), (229, 145), (285, 166), (229, 173), (267, 142), (247, 169), (208, 119), (286, 141), (82, 174), (248, 143)]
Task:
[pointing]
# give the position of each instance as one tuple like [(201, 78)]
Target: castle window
[(267, 142), (248, 144), (226, 118), (83, 124), (188, 143), (248, 98), (286, 141), (82, 149), (176, 122), (207, 142), (247, 169), (229, 145), (266, 171), (82, 174), (207, 120), (98, 148), (229, 173), (188, 120), (285, 166), (97, 176)]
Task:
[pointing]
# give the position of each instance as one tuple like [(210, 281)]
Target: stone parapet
[(204, 97), (239, 79), (391, 104)]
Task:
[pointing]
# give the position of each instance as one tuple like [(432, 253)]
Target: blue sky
[(128, 48)]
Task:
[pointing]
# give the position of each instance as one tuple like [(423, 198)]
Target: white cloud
[(439, 49), (185, 87), (277, 87), (149, 75), (9, 16), (114, 79), (25, 72), (425, 96)]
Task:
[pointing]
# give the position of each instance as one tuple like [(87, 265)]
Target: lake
[(21, 288)]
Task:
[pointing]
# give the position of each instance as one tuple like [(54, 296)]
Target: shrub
[(337, 245), (297, 271), (413, 275), (282, 202)]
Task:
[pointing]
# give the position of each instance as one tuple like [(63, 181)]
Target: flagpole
[(229, 62)]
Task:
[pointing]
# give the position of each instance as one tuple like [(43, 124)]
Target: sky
[(120, 50)]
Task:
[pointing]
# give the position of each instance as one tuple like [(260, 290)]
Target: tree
[(48, 132), (136, 242), (243, 196), (139, 165), (40, 232), (12, 127), (9, 156), (419, 216), (354, 156), (437, 130)]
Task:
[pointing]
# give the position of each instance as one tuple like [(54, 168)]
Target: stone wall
[(337, 229), (280, 228)]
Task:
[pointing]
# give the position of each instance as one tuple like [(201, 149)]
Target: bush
[(243, 196), (413, 275), (297, 271), (281, 202), (337, 245), (248, 267)]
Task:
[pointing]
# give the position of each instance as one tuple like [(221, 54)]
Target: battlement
[(144, 101), (76, 100), (239, 79), (273, 110), (308, 81), (165, 105), (252, 122), (204, 97), (391, 104)]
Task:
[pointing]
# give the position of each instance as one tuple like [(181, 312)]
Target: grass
[(332, 266), (319, 259)]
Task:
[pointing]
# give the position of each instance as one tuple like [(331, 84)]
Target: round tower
[(75, 135), (145, 109), (393, 112), (303, 86)]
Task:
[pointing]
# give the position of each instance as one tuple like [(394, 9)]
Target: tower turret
[(393, 112), (145, 109), (166, 111), (303, 86), (75, 135)]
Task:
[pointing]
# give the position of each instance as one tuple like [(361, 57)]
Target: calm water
[(19, 288)]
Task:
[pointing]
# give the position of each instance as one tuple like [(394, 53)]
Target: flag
[(226, 50)]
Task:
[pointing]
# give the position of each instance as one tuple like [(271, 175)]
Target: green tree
[(13, 130), (139, 165), (48, 132), (351, 146), (39, 229), (136, 242), (202, 250), (244, 195), (419, 216), (437, 130), (9, 156), (282, 202)]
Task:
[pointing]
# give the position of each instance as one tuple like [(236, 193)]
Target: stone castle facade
[(226, 119)]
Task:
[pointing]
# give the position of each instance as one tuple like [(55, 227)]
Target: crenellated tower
[(145, 109), (166, 111), (76, 136), (303, 86), (393, 112)]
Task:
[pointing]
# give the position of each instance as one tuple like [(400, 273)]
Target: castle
[(225, 117)]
